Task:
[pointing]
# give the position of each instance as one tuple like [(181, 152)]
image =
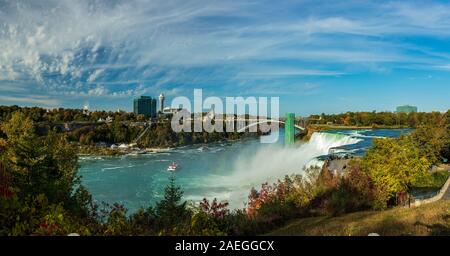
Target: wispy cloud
[(119, 48), (11, 87), (256, 72), (39, 100)]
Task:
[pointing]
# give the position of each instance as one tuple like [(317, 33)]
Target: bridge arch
[(266, 121)]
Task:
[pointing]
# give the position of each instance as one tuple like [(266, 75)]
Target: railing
[(435, 198)]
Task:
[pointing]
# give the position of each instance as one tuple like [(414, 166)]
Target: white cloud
[(95, 75), (98, 91), (66, 46)]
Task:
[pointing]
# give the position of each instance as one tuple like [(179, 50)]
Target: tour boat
[(173, 167)]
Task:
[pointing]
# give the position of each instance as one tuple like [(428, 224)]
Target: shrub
[(143, 222), (203, 224)]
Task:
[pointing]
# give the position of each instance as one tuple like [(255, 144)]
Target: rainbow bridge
[(289, 127)]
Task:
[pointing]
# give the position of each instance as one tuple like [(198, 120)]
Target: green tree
[(432, 141), (171, 211), (43, 194), (119, 132), (394, 165), (40, 165)]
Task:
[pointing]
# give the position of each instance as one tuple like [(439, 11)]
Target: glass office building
[(145, 105)]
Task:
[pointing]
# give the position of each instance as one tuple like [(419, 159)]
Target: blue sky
[(317, 56)]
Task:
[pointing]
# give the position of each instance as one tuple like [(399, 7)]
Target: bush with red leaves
[(215, 209)]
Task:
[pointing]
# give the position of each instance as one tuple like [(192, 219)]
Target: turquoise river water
[(226, 171)]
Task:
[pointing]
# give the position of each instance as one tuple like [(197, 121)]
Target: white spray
[(271, 162)]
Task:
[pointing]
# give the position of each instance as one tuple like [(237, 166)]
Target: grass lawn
[(430, 219)]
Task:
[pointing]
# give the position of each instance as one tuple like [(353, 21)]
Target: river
[(226, 171)]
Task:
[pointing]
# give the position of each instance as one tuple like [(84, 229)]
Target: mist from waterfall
[(271, 162)]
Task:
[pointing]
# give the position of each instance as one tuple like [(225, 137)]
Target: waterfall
[(276, 160), (322, 142), (271, 162)]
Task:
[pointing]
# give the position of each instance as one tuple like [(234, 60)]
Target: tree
[(170, 211), (119, 132), (432, 141), (40, 165), (394, 165), (43, 193)]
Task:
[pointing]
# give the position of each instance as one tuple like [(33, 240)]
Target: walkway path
[(444, 193)]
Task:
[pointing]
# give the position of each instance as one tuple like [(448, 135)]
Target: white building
[(86, 110), (161, 102)]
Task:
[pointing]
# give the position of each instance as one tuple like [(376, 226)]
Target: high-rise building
[(161, 102), (145, 105), (406, 109), (154, 110)]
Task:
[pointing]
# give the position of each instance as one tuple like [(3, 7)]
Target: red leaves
[(257, 199), (215, 209), (46, 228), (277, 191)]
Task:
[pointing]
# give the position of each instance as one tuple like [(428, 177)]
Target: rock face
[(336, 167)]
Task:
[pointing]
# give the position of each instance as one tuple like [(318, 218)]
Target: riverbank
[(87, 150), (426, 220), (96, 150), (105, 151)]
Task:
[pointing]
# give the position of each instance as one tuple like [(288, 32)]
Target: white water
[(278, 160), (271, 162)]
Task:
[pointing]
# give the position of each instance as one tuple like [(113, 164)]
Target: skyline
[(332, 57)]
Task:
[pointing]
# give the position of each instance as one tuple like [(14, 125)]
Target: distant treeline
[(62, 115), (412, 120), (115, 132), (160, 135)]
